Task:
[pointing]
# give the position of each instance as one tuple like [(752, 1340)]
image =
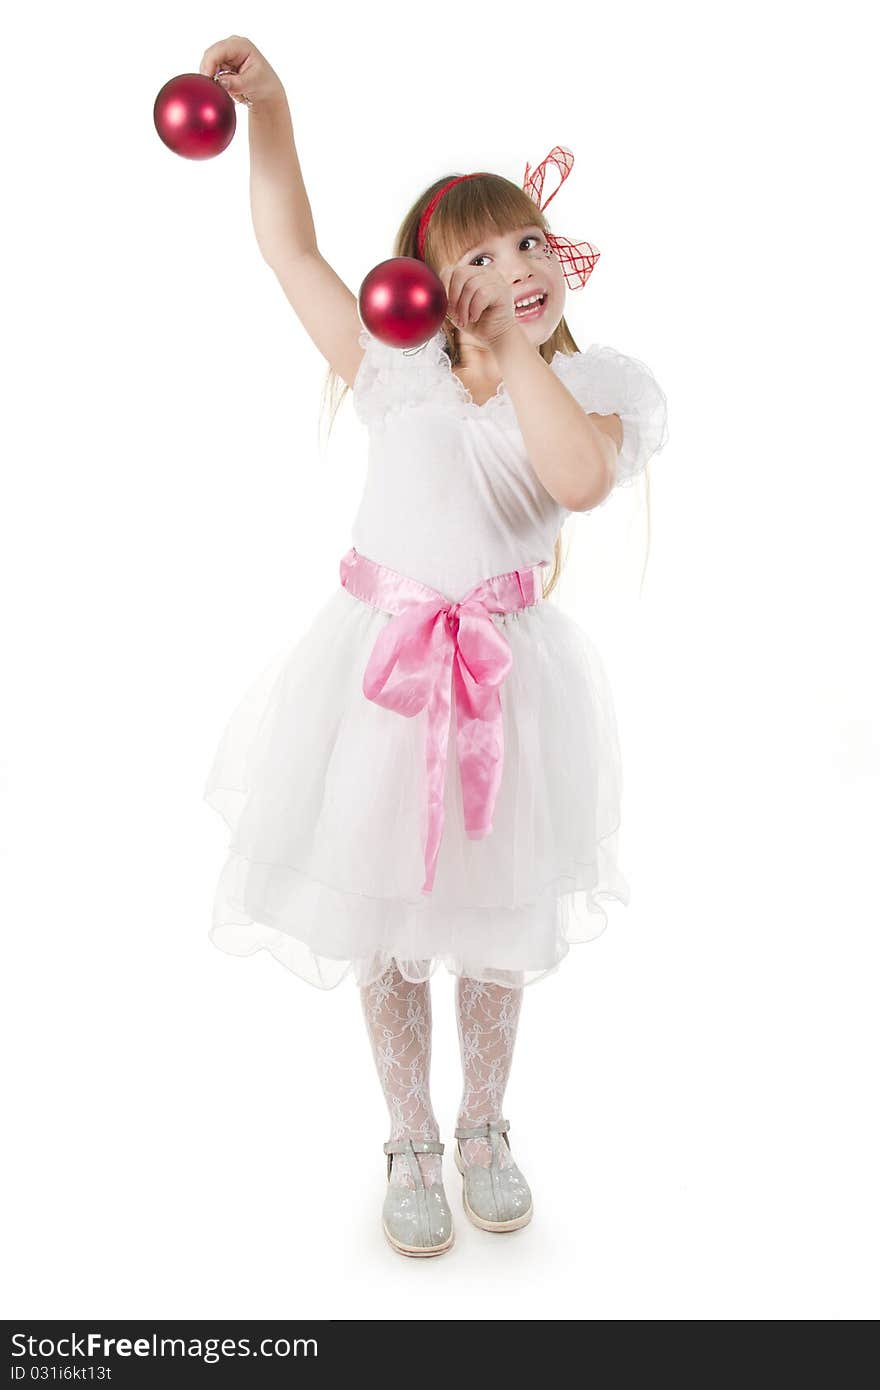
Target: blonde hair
[(462, 217)]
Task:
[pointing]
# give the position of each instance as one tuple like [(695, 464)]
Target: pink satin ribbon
[(430, 648)]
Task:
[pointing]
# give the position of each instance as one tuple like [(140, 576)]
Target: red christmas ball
[(402, 302), (194, 116)]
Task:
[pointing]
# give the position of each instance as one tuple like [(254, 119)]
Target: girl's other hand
[(480, 302), (252, 80)]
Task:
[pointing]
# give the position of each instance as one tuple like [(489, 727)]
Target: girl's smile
[(533, 305)]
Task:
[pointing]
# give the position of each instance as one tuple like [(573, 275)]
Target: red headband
[(578, 258)]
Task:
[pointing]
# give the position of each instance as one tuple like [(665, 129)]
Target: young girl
[(431, 773)]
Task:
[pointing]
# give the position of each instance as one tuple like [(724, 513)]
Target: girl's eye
[(485, 253)]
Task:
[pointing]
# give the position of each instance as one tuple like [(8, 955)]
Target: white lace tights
[(398, 1018)]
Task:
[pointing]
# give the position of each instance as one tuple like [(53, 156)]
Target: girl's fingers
[(474, 285), (232, 83), (465, 282), (235, 92), (468, 302), (217, 67), (454, 287), (229, 53), (462, 309)]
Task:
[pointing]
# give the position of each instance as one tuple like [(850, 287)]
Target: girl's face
[(524, 258)]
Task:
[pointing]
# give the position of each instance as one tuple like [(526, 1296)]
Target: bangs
[(486, 206)]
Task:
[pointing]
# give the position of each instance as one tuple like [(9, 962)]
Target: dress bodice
[(450, 496)]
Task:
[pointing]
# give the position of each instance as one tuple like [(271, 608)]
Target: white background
[(693, 1097)]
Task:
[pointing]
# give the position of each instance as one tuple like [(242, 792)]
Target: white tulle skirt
[(323, 792)]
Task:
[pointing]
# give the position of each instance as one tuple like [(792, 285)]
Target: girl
[(480, 828)]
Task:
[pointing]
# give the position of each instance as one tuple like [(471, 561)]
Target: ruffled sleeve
[(390, 379), (606, 382), (374, 368)]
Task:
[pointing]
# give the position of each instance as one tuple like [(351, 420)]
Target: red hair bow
[(578, 258)]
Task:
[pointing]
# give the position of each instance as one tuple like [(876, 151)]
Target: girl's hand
[(480, 302), (251, 80)]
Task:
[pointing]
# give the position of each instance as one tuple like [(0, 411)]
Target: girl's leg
[(487, 1018), (398, 1018)]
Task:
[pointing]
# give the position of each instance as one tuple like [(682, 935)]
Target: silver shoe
[(416, 1220), (495, 1198)]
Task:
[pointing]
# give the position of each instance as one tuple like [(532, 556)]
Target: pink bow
[(409, 669), (431, 647)]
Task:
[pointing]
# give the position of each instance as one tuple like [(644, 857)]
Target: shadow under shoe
[(495, 1198), (416, 1220)]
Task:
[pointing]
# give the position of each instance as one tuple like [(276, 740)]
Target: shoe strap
[(483, 1131), (419, 1146), (411, 1147)]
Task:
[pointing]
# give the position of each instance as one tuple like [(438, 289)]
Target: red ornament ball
[(402, 302), (194, 116)]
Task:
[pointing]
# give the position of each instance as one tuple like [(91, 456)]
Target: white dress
[(323, 790)]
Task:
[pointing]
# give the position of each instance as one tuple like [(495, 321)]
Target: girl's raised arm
[(282, 215)]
